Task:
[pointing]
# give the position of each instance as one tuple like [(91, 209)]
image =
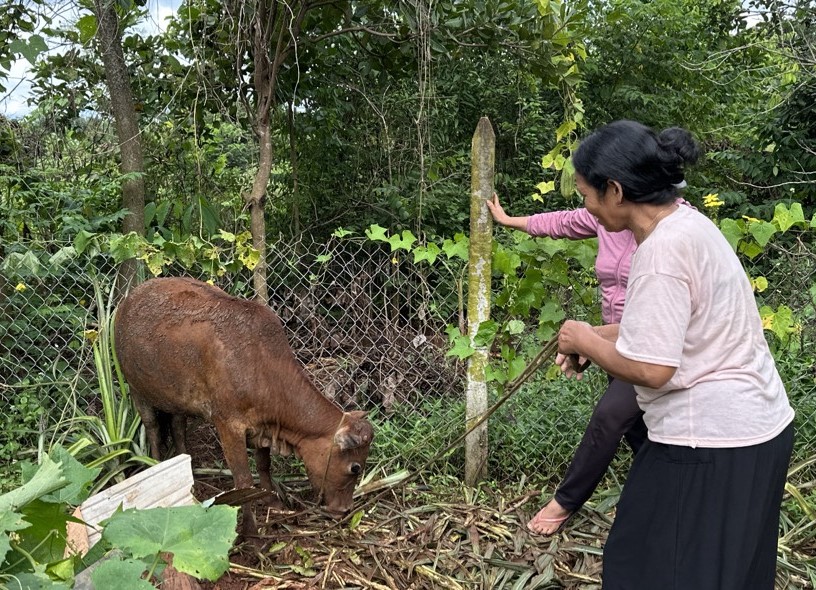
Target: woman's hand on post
[(496, 210)]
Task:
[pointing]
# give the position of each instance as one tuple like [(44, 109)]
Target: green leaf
[(155, 262), (226, 236), (529, 294), (82, 239), (161, 213), (564, 129), (377, 233), (762, 231), (551, 313), (36, 45), (402, 243), (784, 218), (48, 478), (429, 253), (780, 322), (199, 538), (750, 249), (547, 161), (493, 374), (63, 255), (9, 521), (461, 347), (341, 233), (86, 27), (30, 49), (516, 368), (125, 247), (62, 569), (759, 284), (733, 230), (356, 518), (486, 333), (38, 580), (113, 574), (546, 187), (457, 248), (44, 540), (78, 476), (514, 327), (22, 263), (505, 261)]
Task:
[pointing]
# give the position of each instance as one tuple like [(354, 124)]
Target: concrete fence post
[(483, 154)]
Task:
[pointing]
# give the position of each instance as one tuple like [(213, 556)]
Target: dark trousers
[(616, 415), (699, 519)]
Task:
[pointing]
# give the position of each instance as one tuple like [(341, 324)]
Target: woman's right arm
[(499, 216), (575, 224)]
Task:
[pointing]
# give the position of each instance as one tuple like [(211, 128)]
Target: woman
[(616, 414), (700, 509)]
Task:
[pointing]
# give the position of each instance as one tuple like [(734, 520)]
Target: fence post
[(483, 150)]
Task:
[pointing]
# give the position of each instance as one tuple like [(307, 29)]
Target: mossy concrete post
[(483, 155)]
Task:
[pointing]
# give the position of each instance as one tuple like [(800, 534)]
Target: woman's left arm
[(582, 339)]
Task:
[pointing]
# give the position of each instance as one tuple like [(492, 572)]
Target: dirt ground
[(405, 538)]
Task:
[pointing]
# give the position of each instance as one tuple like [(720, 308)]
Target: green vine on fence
[(539, 282)]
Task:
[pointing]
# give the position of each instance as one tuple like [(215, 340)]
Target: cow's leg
[(151, 423), (178, 429), (233, 443), (263, 462)]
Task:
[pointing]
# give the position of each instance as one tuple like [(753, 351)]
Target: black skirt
[(699, 519)]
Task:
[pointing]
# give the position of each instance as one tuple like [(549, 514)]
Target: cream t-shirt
[(689, 305)]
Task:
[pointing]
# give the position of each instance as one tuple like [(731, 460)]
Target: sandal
[(561, 521)]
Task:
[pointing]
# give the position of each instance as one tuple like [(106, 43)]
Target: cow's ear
[(356, 433)]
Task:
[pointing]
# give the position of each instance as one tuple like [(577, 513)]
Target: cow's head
[(334, 463)]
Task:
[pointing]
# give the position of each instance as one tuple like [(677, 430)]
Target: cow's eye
[(355, 469)]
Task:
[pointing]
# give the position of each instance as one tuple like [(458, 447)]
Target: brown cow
[(188, 348)]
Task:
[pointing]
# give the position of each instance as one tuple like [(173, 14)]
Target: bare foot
[(549, 519)]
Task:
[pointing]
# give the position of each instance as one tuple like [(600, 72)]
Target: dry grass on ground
[(410, 539)]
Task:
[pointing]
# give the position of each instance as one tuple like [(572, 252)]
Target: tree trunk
[(265, 82), (127, 128), (256, 199)]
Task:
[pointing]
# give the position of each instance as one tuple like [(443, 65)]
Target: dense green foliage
[(371, 125), (33, 534)]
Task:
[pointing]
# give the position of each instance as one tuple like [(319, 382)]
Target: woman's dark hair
[(648, 166)]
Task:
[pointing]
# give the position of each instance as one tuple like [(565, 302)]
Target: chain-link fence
[(370, 328)]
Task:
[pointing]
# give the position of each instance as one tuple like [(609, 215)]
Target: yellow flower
[(20, 287), (91, 335), (712, 201), (750, 219)]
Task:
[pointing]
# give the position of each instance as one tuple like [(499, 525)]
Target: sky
[(13, 101)]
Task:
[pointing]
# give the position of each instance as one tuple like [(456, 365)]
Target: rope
[(547, 352), (328, 461)]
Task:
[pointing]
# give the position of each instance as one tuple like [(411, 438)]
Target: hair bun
[(679, 142)]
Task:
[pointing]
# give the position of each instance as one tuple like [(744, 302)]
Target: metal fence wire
[(369, 326)]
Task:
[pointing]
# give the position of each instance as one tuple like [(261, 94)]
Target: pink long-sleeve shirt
[(614, 253)]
